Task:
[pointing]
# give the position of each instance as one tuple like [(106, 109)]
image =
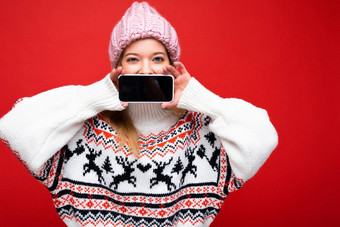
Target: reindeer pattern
[(116, 170), (160, 176), (126, 175), (91, 165), (169, 174)]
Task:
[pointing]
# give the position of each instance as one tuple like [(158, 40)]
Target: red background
[(279, 55)]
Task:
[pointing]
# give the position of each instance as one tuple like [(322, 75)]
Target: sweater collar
[(147, 114)]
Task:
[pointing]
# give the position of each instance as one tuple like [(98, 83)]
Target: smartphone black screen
[(146, 88)]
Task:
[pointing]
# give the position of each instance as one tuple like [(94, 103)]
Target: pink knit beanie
[(142, 21)]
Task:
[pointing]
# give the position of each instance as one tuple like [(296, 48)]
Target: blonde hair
[(122, 123)]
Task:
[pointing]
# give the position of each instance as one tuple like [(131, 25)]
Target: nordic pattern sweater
[(187, 164)]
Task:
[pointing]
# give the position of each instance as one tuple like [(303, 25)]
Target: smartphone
[(146, 88)]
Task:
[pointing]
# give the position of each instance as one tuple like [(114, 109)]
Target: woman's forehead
[(147, 45)]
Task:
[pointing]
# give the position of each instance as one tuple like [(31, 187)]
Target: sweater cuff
[(197, 98), (99, 96)]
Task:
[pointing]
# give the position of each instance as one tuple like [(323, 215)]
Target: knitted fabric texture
[(142, 21)]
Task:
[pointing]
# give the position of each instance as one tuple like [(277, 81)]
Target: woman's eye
[(132, 59), (158, 59)]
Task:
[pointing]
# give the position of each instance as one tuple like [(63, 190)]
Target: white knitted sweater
[(187, 165)]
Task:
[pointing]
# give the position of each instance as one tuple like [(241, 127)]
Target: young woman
[(108, 163)]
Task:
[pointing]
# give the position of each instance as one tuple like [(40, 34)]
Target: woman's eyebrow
[(131, 54), (158, 53)]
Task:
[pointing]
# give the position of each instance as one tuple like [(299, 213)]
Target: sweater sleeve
[(244, 130), (37, 127)]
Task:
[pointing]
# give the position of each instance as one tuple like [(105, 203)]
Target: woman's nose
[(146, 68)]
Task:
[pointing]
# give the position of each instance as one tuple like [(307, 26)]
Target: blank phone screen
[(146, 88)]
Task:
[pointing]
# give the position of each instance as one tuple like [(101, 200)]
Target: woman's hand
[(182, 79), (114, 77)]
